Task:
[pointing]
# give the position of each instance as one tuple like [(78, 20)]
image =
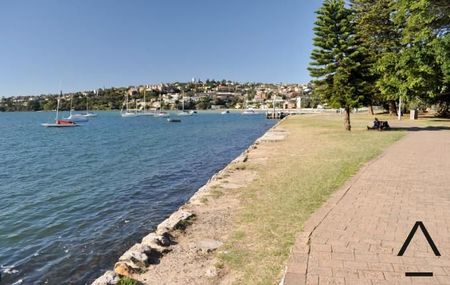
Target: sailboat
[(183, 112), (77, 118), (88, 114), (249, 111), (127, 113), (144, 111), (161, 113), (60, 123)]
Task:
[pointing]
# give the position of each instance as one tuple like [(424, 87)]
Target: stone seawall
[(155, 245)]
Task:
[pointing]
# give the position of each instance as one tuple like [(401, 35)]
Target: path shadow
[(419, 129), (439, 120)]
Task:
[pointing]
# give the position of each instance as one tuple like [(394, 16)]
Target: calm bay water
[(73, 199)]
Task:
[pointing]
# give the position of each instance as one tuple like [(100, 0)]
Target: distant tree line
[(113, 98), (375, 52), (102, 99)]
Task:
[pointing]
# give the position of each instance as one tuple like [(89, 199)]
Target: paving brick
[(356, 236), (294, 279), (331, 281), (379, 266), (312, 279), (321, 271), (357, 281)]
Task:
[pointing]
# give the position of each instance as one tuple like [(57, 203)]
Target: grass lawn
[(299, 175)]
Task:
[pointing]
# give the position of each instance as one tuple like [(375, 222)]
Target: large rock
[(177, 220), (109, 278), (153, 239), (138, 254), (158, 243), (127, 268), (164, 240)]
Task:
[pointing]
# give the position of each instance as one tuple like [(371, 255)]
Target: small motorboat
[(225, 112), (161, 114), (249, 112), (173, 120)]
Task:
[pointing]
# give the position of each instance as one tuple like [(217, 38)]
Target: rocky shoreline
[(154, 246)]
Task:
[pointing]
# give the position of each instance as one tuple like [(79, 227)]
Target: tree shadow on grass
[(419, 129)]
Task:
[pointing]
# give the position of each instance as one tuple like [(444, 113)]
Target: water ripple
[(74, 200)]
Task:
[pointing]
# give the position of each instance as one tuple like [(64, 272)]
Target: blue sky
[(82, 45)]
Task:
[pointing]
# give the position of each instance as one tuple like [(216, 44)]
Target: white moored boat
[(88, 114), (144, 111), (161, 114), (76, 118), (128, 113), (249, 112), (183, 112)]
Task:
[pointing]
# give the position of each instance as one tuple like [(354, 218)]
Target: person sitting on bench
[(379, 125), (384, 125), (376, 125)]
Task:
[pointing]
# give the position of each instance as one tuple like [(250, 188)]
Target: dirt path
[(192, 258)]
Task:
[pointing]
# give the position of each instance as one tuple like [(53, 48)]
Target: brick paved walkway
[(356, 236)]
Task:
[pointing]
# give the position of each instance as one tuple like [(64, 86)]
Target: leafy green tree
[(421, 73), (50, 104), (380, 37), (442, 49), (203, 104), (336, 60), (34, 105)]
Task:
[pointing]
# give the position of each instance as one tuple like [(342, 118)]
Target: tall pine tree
[(337, 63)]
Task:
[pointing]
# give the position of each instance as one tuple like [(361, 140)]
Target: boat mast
[(144, 102), (71, 105), (57, 105)]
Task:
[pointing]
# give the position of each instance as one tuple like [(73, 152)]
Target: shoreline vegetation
[(239, 228), (195, 95)]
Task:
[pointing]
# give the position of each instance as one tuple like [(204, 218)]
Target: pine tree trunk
[(392, 108), (370, 110), (347, 125)]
